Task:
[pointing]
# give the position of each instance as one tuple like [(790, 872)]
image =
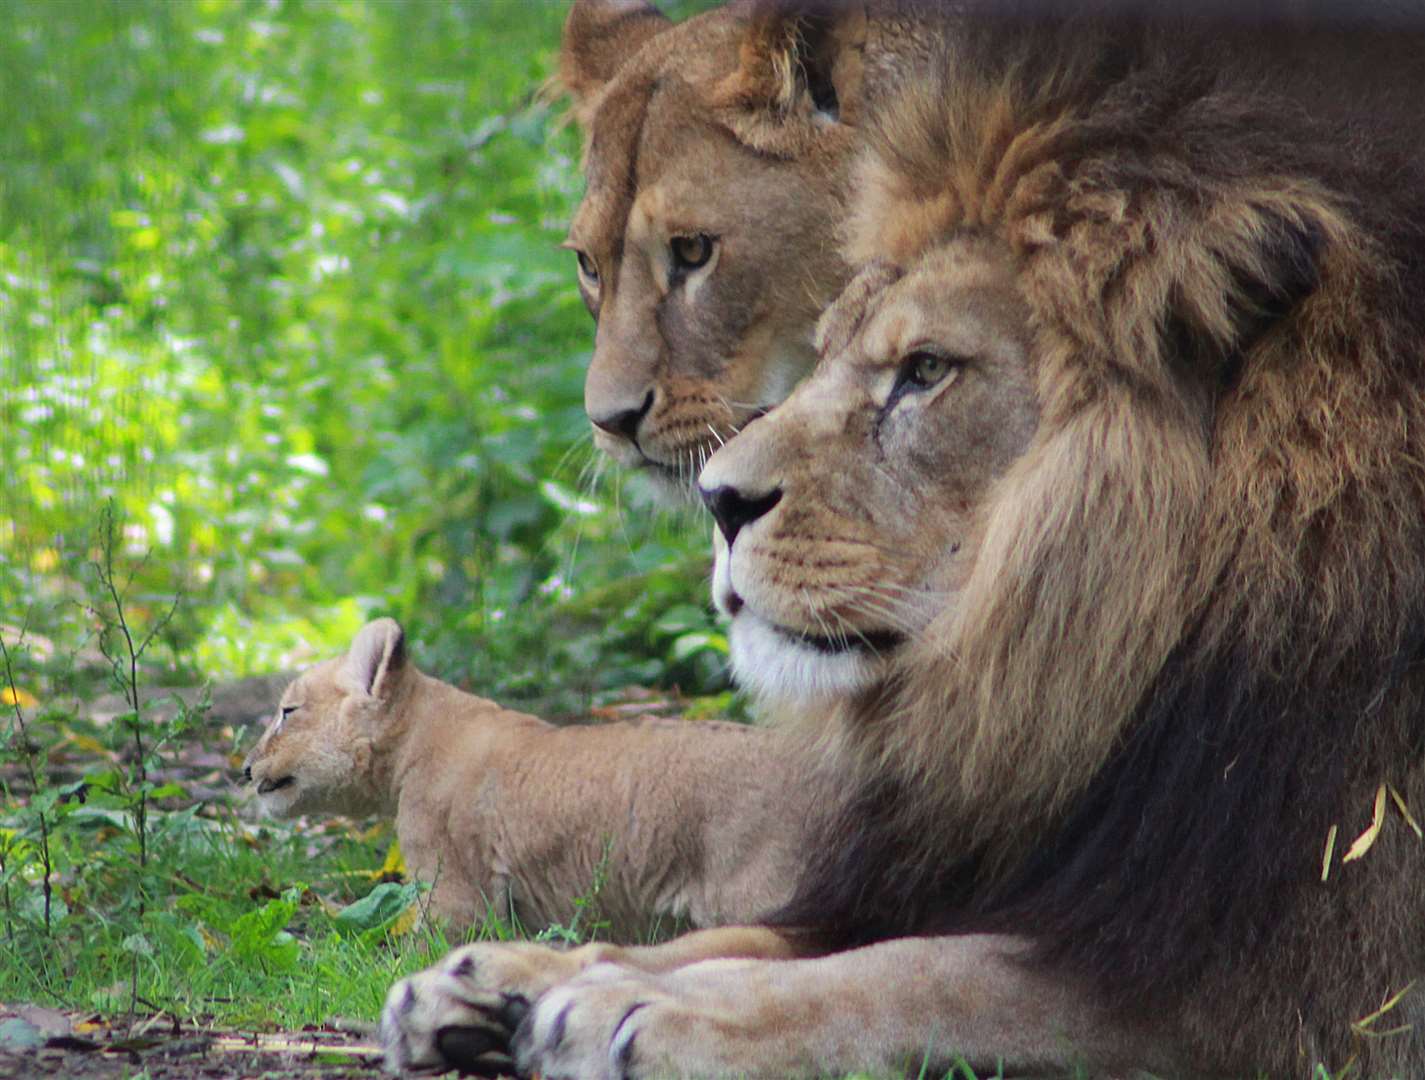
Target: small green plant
[(42, 811), (586, 925)]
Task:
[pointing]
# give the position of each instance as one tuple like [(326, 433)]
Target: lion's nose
[(624, 424), (732, 509), (247, 774)]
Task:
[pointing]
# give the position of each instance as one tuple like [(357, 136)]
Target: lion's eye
[(587, 267), (923, 369), (691, 252)]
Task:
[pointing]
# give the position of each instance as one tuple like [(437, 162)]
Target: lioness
[(706, 242), (510, 815), (1096, 545)]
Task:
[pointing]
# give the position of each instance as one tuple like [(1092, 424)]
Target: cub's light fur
[(1116, 458), (508, 814)]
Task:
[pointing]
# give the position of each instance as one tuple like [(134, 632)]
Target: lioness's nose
[(625, 422), (732, 509)]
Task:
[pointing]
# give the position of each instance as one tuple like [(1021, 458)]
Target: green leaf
[(262, 934), (378, 908)]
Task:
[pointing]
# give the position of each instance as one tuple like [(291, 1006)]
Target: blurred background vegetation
[(281, 280)]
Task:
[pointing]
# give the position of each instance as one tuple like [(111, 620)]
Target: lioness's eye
[(288, 710), (691, 252), (922, 370), (587, 267)]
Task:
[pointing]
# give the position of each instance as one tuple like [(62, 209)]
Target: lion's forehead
[(961, 297)]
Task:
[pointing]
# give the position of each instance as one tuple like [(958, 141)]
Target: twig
[(28, 754)]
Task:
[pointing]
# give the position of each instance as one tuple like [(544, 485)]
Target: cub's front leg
[(462, 1012)]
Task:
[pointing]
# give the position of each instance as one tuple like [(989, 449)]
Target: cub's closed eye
[(587, 267), (691, 252), (288, 710)]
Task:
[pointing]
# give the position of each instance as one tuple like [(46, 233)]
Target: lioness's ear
[(599, 36), (799, 64), (376, 658)]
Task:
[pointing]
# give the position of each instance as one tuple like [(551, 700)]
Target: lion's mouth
[(878, 642), (275, 785)]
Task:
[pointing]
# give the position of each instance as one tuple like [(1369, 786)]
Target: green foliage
[(283, 280), (286, 337)]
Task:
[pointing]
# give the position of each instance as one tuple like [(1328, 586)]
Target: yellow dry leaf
[(13, 695), (87, 743), (1405, 813), (1366, 839), (395, 862), (367, 836), (406, 921), (1326, 856)]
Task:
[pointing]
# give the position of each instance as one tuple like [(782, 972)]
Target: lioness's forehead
[(650, 116), (672, 161)]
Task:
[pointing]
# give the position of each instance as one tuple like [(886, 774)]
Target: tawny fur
[(1179, 634), (736, 125), (1189, 643), (740, 124), (513, 817)]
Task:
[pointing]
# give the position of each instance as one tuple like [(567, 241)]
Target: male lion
[(509, 815), (1097, 543)]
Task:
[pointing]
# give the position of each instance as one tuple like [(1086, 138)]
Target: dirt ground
[(46, 1042)]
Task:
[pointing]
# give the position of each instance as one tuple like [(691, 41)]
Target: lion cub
[(506, 813)]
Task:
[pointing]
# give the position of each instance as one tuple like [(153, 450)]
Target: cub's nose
[(732, 509), (247, 774), (624, 423)]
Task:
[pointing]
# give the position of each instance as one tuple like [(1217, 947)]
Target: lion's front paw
[(462, 1012), (589, 1029)]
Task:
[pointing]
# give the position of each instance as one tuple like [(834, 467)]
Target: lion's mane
[(1192, 642)]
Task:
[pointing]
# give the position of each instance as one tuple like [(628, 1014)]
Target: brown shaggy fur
[(1191, 644)]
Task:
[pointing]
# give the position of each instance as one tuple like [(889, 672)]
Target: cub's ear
[(376, 659), (799, 65), (599, 35)]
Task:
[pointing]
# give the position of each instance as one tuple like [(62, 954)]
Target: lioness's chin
[(668, 489), (779, 666)]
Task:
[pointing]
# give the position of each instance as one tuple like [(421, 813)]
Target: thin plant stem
[(28, 755)]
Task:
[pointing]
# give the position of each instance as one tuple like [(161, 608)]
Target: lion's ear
[(599, 35), (799, 64), (1261, 262), (376, 659)]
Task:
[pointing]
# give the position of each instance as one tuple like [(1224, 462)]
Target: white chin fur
[(666, 491), (776, 668), (279, 804)]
